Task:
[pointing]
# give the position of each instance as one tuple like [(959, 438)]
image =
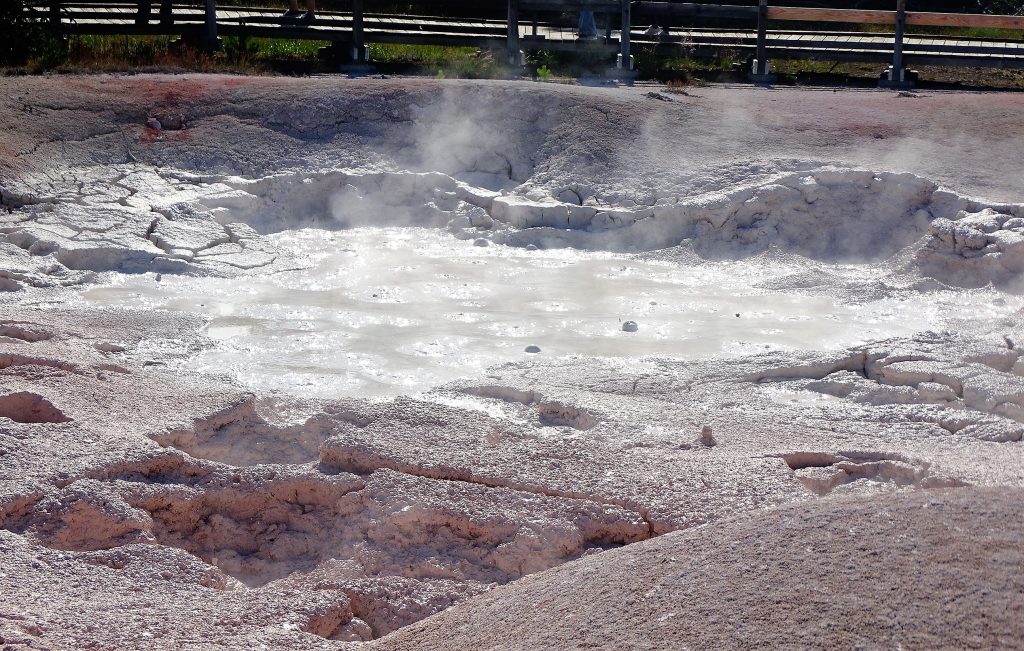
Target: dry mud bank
[(860, 495)]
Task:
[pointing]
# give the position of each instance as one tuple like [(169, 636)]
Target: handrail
[(870, 17), (694, 10), (990, 21), (863, 17)]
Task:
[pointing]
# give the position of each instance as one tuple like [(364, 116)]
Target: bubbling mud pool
[(377, 312)]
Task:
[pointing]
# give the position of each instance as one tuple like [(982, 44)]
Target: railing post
[(512, 41), (625, 59), (762, 39), (55, 16), (166, 13), (210, 41), (358, 46), (761, 72), (897, 50)]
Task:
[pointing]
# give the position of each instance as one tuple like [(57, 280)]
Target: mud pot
[(407, 364)]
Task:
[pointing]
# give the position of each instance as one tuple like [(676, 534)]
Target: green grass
[(436, 60), (552, 65), (113, 53), (256, 56), (680, 67), (279, 48)]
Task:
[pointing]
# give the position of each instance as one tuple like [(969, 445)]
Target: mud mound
[(826, 575), (549, 167)]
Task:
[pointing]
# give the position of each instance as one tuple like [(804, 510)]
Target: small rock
[(172, 122), (481, 220), (658, 96), (707, 437), (154, 124), (107, 347), (907, 93), (481, 242), (630, 326), (458, 223), (532, 349), (531, 247)]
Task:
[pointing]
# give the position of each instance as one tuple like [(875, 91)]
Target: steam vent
[(400, 363)]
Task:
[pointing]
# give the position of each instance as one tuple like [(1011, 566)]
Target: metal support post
[(55, 16), (210, 40), (761, 72), (358, 45), (145, 9), (762, 38), (512, 42), (625, 58), (897, 75)]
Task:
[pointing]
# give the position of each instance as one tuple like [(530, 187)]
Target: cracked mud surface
[(861, 496)]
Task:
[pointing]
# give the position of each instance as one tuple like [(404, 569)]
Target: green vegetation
[(654, 64), (268, 49), (131, 52), (548, 65), (27, 40), (248, 55), (29, 45), (112, 53), (458, 62)]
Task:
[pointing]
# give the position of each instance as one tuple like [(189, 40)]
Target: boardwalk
[(541, 30)]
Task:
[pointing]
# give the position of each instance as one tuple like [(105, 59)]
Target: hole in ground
[(26, 407), (823, 472)]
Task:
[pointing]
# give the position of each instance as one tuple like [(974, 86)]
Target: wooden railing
[(762, 13), (622, 12), (899, 19), (924, 19)]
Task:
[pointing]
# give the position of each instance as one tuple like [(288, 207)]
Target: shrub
[(27, 38)]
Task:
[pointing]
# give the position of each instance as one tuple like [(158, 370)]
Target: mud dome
[(264, 381)]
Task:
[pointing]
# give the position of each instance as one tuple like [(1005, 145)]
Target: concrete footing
[(904, 81)]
